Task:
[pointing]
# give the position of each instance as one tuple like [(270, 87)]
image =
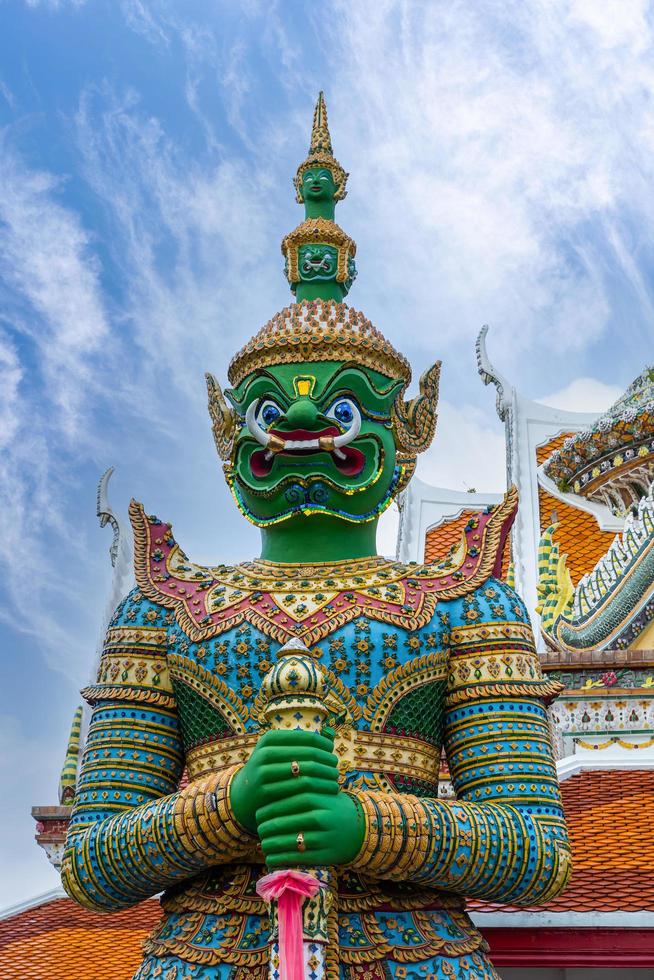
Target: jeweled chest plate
[(310, 601), (379, 629)]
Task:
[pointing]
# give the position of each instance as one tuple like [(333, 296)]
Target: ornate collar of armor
[(310, 601)]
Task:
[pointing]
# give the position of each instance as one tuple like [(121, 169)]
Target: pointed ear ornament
[(414, 422), (223, 419)]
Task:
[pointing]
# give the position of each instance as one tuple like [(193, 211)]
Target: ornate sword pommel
[(294, 690)]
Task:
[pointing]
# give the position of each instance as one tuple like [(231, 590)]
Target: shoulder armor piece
[(311, 601), (479, 554)]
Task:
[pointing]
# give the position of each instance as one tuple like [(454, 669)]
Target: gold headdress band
[(321, 330), (321, 153)]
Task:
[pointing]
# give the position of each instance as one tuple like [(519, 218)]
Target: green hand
[(266, 778), (267, 798)]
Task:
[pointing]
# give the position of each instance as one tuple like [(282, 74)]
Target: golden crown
[(320, 330)]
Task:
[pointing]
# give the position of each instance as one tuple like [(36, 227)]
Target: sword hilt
[(294, 693), (294, 690)]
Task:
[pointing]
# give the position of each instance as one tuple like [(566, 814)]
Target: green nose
[(302, 414)]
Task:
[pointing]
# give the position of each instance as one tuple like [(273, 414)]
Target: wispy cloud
[(47, 261), (187, 239), (507, 149), (52, 308)]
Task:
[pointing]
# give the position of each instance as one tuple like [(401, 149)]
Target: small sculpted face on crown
[(318, 184), (314, 438)]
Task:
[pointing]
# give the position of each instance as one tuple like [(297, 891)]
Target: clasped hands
[(288, 794)]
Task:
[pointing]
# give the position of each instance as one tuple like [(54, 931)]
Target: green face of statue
[(318, 184), (314, 438)]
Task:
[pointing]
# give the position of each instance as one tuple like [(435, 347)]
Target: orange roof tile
[(59, 940), (578, 534), (440, 540), (610, 819)]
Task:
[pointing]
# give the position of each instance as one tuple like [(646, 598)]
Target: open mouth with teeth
[(302, 442)]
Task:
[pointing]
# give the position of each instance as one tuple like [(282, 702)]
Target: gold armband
[(397, 835), (205, 822)]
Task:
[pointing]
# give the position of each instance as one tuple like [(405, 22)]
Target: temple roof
[(578, 533), (610, 817), (54, 937), (618, 440)]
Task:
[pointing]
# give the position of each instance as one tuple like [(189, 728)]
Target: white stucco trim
[(530, 424), (31, 903), (573, 764)]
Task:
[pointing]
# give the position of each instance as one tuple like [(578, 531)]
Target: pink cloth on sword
[(289, 888)]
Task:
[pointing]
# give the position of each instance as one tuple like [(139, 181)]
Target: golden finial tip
[(321, 141)]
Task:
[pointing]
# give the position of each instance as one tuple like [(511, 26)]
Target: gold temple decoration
[(223, 419), (318, 231), (414, 422), (321, 330), (321, 153)]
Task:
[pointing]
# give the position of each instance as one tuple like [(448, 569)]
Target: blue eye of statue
[(343, 411), (268, 413)]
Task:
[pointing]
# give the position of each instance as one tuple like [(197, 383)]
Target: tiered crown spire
[(321, 154), (319, 255), (321, 141)]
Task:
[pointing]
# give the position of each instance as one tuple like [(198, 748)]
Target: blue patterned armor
[(417, 659)]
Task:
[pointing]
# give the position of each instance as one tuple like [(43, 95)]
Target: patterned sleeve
[(131, 834), (504, 837)]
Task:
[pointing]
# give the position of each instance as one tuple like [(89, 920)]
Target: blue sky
[(502, 164)]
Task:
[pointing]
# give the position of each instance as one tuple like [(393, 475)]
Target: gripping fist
[(289, 787)]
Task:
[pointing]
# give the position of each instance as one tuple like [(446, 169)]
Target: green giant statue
[(307, 694)]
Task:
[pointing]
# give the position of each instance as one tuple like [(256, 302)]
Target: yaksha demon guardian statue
[(317, 438)]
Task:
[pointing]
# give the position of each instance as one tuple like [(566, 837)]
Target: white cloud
[(505, 147), (615, 23), (467, 452), (143, 19), (189, 241), (10, 376), (7, 95), (584, 395), (46, 259), (52, 304)]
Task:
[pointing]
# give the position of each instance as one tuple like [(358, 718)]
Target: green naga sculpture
[(307, 694)]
